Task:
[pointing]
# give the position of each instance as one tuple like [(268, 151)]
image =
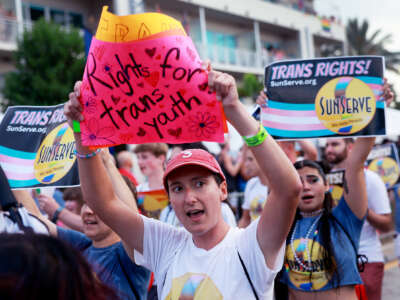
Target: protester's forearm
[(71, 220), (120, 187), (310, 151), (23, 197), (359, 153), (272, 160), (382, 222), (96, 185)]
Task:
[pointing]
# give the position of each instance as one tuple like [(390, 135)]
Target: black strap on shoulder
[(7, 199), (361, 258), (128, 277), (248, 276)]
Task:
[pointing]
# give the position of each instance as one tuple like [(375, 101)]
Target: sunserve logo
[(345, 105), (387, 168), (56, 155)]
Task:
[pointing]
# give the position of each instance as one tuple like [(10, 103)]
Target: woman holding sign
[(209, 259), (321, 248)]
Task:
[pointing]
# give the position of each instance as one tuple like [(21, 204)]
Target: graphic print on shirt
[(256, 206), (300, 276), (193, 286)]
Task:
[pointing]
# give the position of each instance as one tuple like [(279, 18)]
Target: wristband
[(76, 126), (89, 155), (56, 214), (257, 139)]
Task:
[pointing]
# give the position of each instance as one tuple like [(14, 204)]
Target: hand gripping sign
[(326, 97), (148, 90)]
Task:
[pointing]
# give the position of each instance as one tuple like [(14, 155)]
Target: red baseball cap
[(196, 157)]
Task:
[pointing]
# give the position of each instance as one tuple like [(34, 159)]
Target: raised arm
[(97, 187), (310, 151), (355, 191), (24, 197), (284, 183), (50, 206)]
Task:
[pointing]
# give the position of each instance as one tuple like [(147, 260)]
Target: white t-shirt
[(168, 216), (378, 201), (180, 268), (255, 196)]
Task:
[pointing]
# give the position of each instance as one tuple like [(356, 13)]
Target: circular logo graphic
[(387, 169), (300, 277), (56, 155), (345, 105)]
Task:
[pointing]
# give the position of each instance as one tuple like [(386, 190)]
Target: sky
[(381, 14)]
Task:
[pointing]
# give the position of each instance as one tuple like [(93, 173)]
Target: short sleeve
[(378, 199), (348, 220), (74, 238), (254, 260), (160, 242), (247, 192)]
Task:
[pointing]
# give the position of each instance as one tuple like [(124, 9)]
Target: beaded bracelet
[(257, 139), (89, 155)]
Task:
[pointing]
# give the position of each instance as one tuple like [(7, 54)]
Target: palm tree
[(361, 43)]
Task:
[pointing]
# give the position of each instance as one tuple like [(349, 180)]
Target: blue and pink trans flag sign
[(326, 97), (37, 147)]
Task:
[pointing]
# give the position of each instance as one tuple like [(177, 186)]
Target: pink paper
[(148, 91)]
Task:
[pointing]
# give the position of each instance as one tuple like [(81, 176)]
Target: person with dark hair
[(321, 248), (206, 259), (378, 216), (37, 267)]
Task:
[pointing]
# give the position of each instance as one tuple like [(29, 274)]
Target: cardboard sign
[(37, 147), (327, 97), (151, 90), (384, 160), (153, 202), (113, 28)]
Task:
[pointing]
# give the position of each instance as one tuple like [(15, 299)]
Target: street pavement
[(391, 279)]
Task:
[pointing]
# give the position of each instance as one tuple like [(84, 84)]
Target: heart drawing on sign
[(203, 86), (158, 57), (141, 132), (175, 132), (211, 104), (115, 99), (150, 52), (140, 84), (153, 78)]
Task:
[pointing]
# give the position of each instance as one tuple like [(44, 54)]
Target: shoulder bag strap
[(248, 276)]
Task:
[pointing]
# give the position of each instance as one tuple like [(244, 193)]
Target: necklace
[(303, 245), (312, 214)]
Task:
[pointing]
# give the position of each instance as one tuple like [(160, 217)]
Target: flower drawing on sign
[(96, 135), (203, 124), (90, 105)]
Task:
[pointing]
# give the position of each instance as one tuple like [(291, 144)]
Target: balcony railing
[(235, 57), (8, 31)]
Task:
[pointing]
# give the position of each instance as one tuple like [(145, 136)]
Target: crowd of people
[(261, 224)]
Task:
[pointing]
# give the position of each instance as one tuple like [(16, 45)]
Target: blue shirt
[(107, 263), (298, 278)]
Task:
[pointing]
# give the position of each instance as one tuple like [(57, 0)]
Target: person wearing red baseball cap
[(206, 259)]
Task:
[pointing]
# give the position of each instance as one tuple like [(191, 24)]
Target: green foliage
[(250, 86), (48, 61), (362, 43)]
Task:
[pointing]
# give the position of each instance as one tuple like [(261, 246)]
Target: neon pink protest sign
[(148, 91)]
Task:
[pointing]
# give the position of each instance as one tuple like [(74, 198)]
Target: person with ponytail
[(321, 248)]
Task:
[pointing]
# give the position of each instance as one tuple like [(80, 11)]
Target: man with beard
[(378, 217)]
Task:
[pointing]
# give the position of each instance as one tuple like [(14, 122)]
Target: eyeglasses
[(310, 179)]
